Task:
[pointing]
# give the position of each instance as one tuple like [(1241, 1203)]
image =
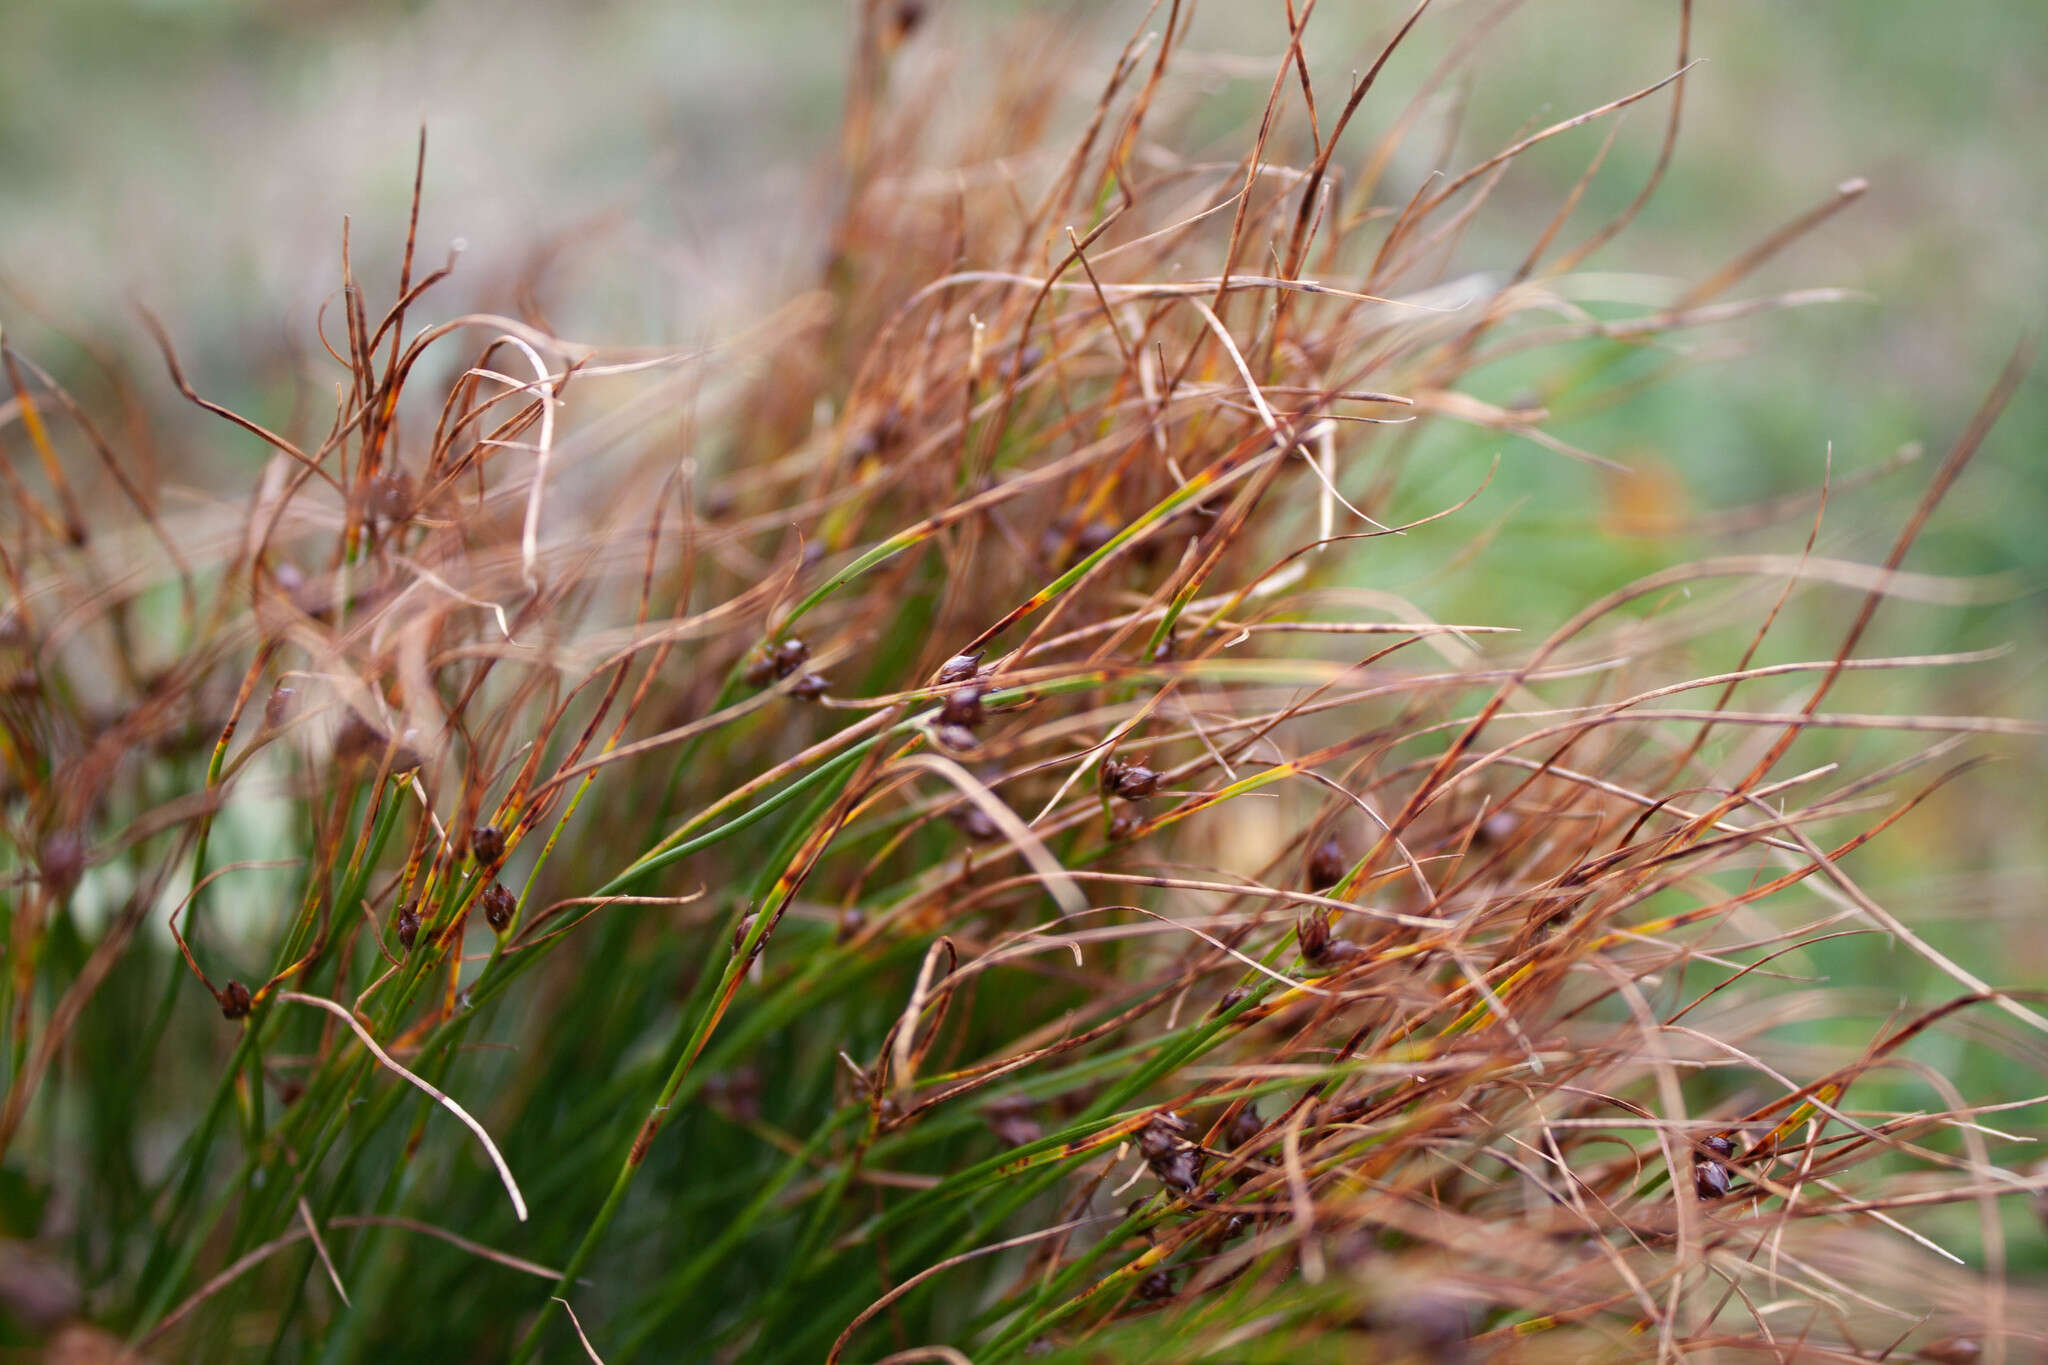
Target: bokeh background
[(653, 173)]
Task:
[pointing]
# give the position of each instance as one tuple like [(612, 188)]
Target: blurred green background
[(665, 163)]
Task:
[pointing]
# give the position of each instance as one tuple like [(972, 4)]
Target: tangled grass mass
[(920, 831)]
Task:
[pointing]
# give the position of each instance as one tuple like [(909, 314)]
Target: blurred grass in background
[(646, 168)]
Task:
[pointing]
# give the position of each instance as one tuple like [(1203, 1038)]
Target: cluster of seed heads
[(1318, 948), (776, 660), (1173, 1158), (1710, 1178)]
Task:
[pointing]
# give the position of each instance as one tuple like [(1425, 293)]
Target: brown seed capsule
[(278, 708), (958, 738), (1158, 1285), (1167, 650), (760, 669), (850, 925), (1124, 825), (809, 687), (235, 1001), (1180, 1171), (1246, 1127), (1342, 950), (1232, 998), (1952, 1351), (959, 668), (487, 845), (1129, 781), (499, 903), (741, 930), (962, 707), (1162, 1133), (974, 822), (357, 738), (789, 655), (1719, 1145), (61, 862), (1499, 827), (408, 924), (1327, 865), (1710, 1179), (1312, 935)]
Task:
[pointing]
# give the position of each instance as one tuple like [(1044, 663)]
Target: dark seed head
[(1327, 865), (1312, 935), (959, 668), (1719, 1145), (1246, 1126), (789, 655), (499, 903), (1952, 1351), (235, 1001), (408, 924), (487, 845), (1164, 1132), (1158, 1285), (741, 930), (1710, 1179), (1180, 1171), (279, 708), (760, 669), (1130, 781), (1123, 825), (1342, 950), (850, 925), (962, 707), (974, 822), (1232, 998), (61, 861), (357, 738), (809, 687), (958, 738)]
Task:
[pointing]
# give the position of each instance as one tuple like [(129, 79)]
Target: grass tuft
[(922, 831)]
